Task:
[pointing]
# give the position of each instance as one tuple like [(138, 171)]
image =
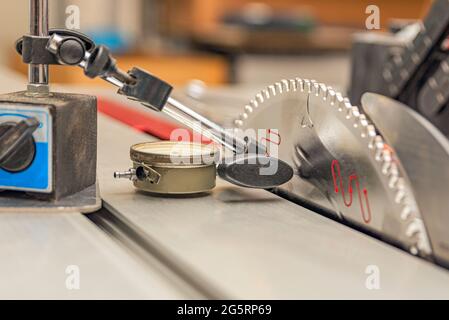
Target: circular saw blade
[(342, 163)]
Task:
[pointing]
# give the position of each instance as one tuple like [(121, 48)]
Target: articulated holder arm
[(66, 47)]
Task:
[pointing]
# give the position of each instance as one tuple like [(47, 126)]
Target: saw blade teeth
[(279, 88), (293, 85), (285, 85), (393, 181), (393, 175), (239, 123), (400, 196), (254, 103), (406, 213), (385, 167), (424, 246), (300, 84), (323, 90), (315, 89), (386, 155), (379, 147), (363, 120), (313, 85), (414, 228), (348, 110), (259, 98), (308, 86), (319, 90), (375, 142), (244, 116), (339, 97), (355, 112), (400, 191), (266, 94), (347, 103), (411, 230), (272, 90), (249, 109), (340, 102), (371, 131), (401, 184), (364, 123), (331, 97)]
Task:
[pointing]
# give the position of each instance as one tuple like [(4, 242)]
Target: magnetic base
[(69, 142), (86, 201)]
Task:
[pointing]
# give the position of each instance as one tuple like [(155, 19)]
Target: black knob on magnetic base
[(17, 145)]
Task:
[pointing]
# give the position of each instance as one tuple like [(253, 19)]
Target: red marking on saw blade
[(269, 139), (338, 187), (392, 152)]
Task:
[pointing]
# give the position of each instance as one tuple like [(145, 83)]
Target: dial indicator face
[(171, 152), (170, 148)]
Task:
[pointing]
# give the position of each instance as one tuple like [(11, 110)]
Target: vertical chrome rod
[(38, 74)]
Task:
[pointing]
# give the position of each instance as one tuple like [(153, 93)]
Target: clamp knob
[(72, 51), (17, 145)]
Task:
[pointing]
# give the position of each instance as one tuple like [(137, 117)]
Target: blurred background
[(218, 42)]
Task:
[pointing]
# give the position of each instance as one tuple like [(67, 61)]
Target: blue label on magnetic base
[(35, 177), (38, 177)]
